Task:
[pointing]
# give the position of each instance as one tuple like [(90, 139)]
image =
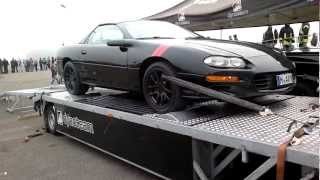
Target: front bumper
[(249, 86)]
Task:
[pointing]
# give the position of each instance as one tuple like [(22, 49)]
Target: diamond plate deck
[(235, 122), (122, 103), (270, 130)]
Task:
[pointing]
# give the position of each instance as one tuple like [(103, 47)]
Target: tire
[(304, 89), (50, 119), (161, 95), (72, 80)]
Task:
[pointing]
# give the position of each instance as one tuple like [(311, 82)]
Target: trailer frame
[(218, 127)]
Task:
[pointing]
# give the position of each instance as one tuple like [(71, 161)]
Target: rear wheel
[(72, 80), (160, 94)]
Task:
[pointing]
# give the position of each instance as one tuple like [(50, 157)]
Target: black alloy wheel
[(72, 80), (160, 94)]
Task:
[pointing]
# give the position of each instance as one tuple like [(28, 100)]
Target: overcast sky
[(43, 25), (27, 25)]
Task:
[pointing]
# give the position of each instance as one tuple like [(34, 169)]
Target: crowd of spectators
[(25, 65)]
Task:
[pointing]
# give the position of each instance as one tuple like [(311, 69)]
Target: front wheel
[(160, 94)]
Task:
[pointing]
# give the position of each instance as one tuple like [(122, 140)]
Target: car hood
[(227, 48), (263, 58)]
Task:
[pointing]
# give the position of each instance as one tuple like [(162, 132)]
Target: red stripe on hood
[(159, 51)]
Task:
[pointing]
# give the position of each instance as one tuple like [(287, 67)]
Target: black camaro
[(132, 56)]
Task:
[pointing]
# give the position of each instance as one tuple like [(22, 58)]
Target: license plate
[(284, 79)]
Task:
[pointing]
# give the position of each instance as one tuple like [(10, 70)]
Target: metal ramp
[(19, 100)]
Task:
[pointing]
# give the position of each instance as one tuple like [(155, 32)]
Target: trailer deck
[(217, 123), (222, 124)]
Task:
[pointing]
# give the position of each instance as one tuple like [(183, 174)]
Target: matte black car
[(133, 55)]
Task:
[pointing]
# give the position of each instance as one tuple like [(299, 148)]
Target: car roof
[(103, 24)]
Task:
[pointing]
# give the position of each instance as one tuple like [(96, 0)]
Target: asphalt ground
[(49, 157)]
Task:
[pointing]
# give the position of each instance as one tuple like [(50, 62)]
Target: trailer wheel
[(160, 94), (72, 80), (50, 119)]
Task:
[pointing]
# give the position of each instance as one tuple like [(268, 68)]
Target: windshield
[(156, 29)]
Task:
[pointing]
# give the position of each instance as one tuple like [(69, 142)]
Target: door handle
[(83, 52)]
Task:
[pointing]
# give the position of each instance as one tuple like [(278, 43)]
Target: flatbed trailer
[(215, 140), (199, 143)]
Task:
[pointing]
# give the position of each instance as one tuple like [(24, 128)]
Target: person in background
[(35, 63), (1, 66), (30, 65), (286, 37), (235, 37), (52, 60), (304, 35), (276, 36), (40, 63), (12, 63), (314, 40), (268, 37), (54, 72), (20, 69), (24, 65), (43, 64), (230, 37), (48, 62), (16, 65), (5, 65)]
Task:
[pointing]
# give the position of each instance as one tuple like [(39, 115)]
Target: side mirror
[(120, 43)]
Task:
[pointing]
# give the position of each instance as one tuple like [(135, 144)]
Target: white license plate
[(284, 79)]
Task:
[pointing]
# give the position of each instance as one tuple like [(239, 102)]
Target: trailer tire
[(50, 119)]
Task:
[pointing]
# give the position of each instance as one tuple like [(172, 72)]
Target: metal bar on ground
[(14, 106)]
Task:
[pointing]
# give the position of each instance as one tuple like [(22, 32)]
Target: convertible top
[(200, 15)]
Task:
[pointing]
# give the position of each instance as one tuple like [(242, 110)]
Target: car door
[(104, 65)]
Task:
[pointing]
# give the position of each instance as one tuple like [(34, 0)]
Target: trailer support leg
[(202, 167), (226, 161), (199, 171), (262, 169), (217, 151)]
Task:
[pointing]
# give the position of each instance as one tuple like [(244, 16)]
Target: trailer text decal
[(74, 122)]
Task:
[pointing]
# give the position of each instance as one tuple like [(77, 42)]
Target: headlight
[(225, 62)]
